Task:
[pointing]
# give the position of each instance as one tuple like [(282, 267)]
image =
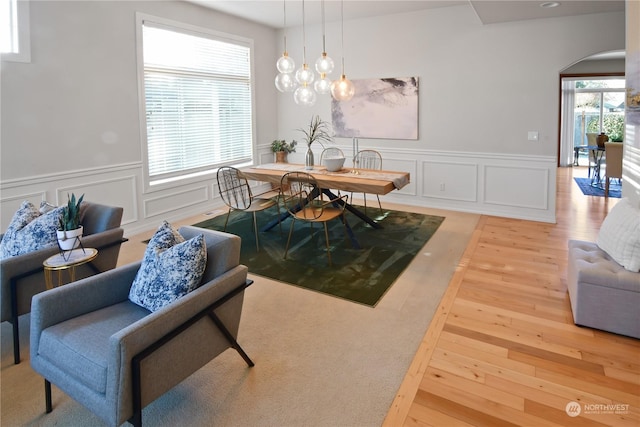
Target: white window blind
[(197, 102), (15, 44), (9, 25)]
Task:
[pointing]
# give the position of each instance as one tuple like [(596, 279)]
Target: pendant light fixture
[(285, 81), (304, 94), (324, 64), (342, 89)]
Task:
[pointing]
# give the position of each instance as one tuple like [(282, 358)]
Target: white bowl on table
[(334, 164)]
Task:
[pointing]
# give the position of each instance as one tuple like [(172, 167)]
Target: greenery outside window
[(197, 99), (599, 107)]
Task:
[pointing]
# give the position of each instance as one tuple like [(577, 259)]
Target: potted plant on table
[(282, 148), (70, 230), (319, 131)]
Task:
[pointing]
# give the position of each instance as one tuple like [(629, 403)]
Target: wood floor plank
[(559, 416), (476, 410), (618, 391), (421, 416), (496, 397), (550, 326)]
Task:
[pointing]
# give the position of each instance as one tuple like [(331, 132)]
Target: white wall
[(70, 117), (482, 88)]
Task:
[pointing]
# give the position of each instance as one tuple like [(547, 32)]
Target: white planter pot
[(70, 239)]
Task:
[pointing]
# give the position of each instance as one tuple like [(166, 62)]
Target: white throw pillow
[(619, 235), (170, 269), (30, 230)]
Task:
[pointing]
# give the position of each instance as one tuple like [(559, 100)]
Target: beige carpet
[(320, 361)]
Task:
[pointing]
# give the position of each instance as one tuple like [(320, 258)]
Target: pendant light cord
[(304, 39), (284, 23), (324, 47), (342, 32)]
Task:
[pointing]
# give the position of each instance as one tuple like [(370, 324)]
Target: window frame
[(152, 185), (24, 34)]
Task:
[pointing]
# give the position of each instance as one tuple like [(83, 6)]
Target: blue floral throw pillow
[(170, 269), (30, 230)]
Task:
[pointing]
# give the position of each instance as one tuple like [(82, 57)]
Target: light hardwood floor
[(503, 349)]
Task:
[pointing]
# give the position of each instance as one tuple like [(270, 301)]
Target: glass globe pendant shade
[(285, 82), (343, 89), (304, 96), (304, 75), (322, 85), (286, 64), (324, 64)]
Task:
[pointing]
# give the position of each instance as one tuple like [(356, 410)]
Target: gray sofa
[(115, 357), (22, 276), (603, 294)]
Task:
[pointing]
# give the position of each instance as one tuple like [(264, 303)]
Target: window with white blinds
[(197, 96)]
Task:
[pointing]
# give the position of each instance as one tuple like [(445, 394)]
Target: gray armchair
[(115, 357), (22, 276)]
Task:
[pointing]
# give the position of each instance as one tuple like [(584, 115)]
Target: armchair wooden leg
[(136, 420), (13, 287), (230, 338), (16, 341), (47, 396)]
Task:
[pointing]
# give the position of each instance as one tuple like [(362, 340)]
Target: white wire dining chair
[(368, 159), (236, 194), (330, 152)]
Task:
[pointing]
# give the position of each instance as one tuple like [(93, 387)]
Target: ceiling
[(271, 12)]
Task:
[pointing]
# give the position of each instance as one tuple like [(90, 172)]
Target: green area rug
[(360, 275)]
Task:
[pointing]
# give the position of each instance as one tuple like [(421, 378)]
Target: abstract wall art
[(381, 108)]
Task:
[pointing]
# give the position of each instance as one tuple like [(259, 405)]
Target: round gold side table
[(69, 261)]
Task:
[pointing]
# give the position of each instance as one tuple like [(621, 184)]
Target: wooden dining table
[(347, 179)]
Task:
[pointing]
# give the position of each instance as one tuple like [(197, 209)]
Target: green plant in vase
[(69, 228), (317, 131)]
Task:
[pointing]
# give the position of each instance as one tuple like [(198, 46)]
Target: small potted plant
[(282, 148), (70, 230)]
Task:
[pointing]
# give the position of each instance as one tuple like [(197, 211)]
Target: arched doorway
[(590, 89)]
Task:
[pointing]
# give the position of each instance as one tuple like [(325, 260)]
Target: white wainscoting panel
[(9, 205), (169, 202), (513, 186), (106, 192), (450, 180), (525, 187), (115, 185)]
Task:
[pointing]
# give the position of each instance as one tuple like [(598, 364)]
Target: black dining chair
[(236, 194)]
